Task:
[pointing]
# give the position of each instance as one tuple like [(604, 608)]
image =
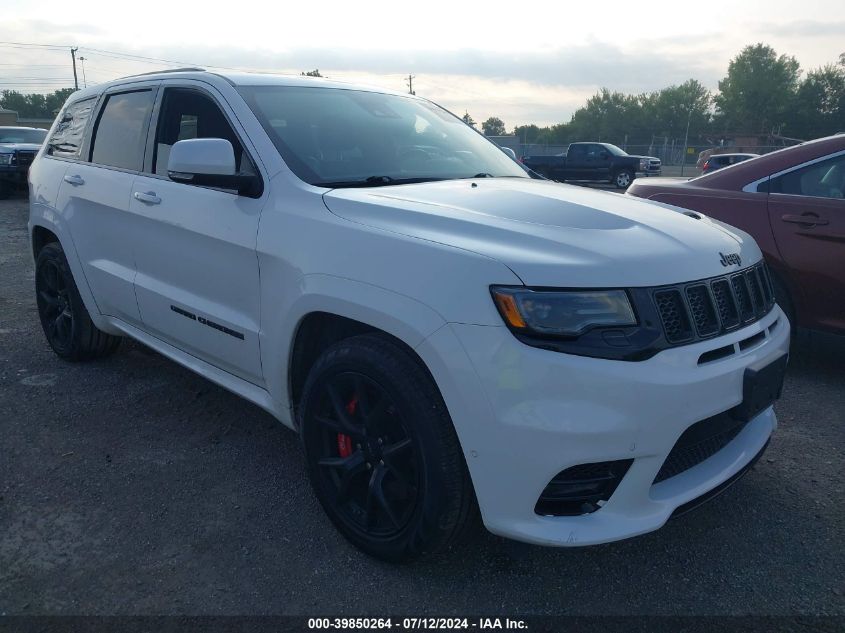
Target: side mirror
[(209, 162), (509, 152)]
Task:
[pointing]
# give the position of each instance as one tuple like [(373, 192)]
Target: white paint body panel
[(417, 261)]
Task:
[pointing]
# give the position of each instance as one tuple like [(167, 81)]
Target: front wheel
[(381, 452), (623, 179)]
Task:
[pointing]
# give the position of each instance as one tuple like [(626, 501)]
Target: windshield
[(616, 151), (17, 135), (335, 137)]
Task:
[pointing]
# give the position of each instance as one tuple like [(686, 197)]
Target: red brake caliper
[(344, 442)]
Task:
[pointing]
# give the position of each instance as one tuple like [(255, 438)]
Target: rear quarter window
[(66, 139)]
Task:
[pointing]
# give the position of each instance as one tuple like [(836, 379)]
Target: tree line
[(762, 94)]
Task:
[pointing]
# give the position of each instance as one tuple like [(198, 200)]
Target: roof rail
[(187, 69)]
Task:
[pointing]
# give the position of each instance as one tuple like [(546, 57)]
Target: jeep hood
[(551, 234)]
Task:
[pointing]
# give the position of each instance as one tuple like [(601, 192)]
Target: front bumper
[(14, 174), (525, 414)]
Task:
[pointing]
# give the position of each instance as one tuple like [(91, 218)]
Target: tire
[(382, 454), (623, 178), (784, 300), (64, 319)]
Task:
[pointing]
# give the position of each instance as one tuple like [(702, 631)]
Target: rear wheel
[(64, 318), (382, 454)]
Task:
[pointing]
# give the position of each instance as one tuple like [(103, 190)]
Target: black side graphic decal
[(211, 324)]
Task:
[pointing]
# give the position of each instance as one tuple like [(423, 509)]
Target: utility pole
[(84, 80), (411, 85), (686, 138), (73, 57)]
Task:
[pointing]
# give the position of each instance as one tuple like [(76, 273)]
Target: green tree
[(494, 126), (468, 119), (820, 103), (667, 113), (312, 73), (34, 106), (758, 91)]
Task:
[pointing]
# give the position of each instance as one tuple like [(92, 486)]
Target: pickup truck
[(18, 147), (594, 161)]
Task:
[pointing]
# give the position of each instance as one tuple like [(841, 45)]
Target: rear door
[(807, 214), (197, 283), (94, 197)]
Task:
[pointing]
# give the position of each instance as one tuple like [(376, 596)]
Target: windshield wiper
[(375, 181)]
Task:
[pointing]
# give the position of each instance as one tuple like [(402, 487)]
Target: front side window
[(187, 114), (825, 179), (121, 131), (335, 137), (66, 140)]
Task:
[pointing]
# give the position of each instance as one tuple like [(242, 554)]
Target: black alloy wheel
[(367, 458), (54, 306), (382, 455), (64, 318)]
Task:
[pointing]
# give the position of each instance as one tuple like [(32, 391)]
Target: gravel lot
[(132, 486)]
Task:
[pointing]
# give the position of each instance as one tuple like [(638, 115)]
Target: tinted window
[(66, 140), (577, 151), (122, 129), (337, 137), (825, 179), (187, 114)]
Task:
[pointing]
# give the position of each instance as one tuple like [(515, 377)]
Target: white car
[(445, 333)]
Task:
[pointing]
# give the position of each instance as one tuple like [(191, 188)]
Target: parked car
[(791, 202), (18, 146), (594, 162), (717, 161), (445, 333)]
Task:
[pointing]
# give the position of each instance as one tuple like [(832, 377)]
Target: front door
[(807, 214), (197, 282)]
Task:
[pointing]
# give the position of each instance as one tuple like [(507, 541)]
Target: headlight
[(643, 164), (5, 159), (562, 313)]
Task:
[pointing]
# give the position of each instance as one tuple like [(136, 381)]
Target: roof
[(235, 79)]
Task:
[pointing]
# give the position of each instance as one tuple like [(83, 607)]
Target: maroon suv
[(793, 203)]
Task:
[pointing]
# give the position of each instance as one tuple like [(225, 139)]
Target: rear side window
[(825, 179), (66, 140), (121, 132)]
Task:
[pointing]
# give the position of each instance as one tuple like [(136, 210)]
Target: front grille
[(706, 308), (24, 159), (676, 323), (700, 441)]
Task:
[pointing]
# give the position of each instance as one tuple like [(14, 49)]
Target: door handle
[(806, 219), (74, 180), (147, 198)]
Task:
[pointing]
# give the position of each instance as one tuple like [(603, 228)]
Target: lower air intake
[(581, 489)]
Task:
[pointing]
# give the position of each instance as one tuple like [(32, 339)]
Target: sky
[(525, 63)]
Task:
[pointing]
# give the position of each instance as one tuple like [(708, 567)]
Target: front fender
[(406, 318)]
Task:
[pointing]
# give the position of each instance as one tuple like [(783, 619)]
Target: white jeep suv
[(445, 333)]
